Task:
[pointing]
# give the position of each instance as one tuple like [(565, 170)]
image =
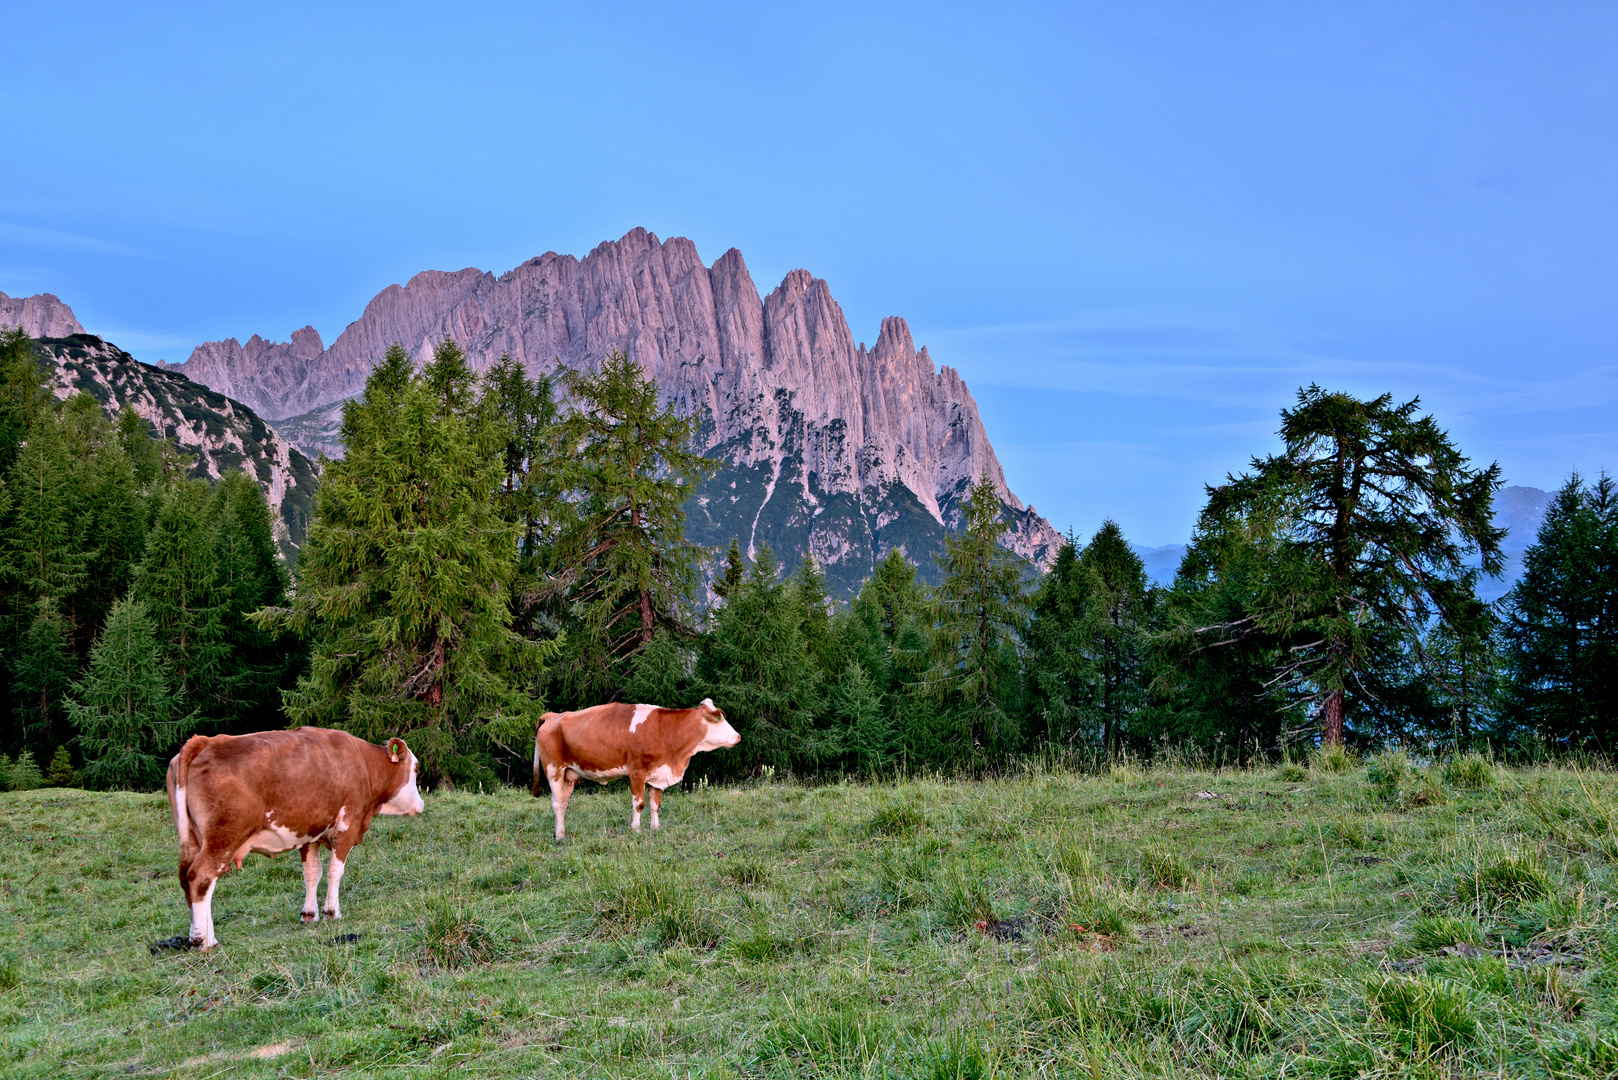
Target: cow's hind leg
[(333, 881), (637, 795), (311, 881), (561, 780), (657, 801)]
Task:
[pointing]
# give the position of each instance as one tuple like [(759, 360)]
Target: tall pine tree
[(403, 584), (1561, 622), (979, 611), (129, 719)]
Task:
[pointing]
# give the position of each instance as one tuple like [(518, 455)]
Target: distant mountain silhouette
[(1518, 510)]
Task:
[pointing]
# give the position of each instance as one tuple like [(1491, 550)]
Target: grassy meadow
[(1338, 921)]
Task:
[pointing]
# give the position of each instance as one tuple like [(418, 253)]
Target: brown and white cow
[(650, 745), (274, 791)]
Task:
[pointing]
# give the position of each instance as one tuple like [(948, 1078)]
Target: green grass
[(1348, 920)]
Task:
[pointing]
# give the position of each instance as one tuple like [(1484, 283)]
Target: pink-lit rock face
[(40, 316), (855, 438)]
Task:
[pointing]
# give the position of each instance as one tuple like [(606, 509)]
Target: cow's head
[(720, 733), (405, 799)]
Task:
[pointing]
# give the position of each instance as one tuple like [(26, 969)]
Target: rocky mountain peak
[(40, 315)]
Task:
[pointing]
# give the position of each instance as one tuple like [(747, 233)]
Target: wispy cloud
[(56, 240), (1227, 368)]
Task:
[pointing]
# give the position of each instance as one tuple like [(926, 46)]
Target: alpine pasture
[(1341, 919)]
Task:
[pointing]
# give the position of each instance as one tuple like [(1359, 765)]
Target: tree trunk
[(1332, 716)]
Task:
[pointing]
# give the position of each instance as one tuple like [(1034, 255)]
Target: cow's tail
[(539, 765), (179, 771)]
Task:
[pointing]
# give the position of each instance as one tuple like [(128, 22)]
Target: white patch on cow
[(707, 703), (272, 841), (341, 824), (641, 713), (604, 775), (334, 878), (660, 778), (202, 919), (407, 800)]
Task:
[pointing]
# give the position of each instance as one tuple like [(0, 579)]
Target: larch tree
[(1382, 518), (622, 560)]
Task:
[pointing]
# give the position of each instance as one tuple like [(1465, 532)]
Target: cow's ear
[(396, 749)]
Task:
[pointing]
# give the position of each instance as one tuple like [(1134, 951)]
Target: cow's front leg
[(637, 793), (657, 801), (333, 880), (311, 880)]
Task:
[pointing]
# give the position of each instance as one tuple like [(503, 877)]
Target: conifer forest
[(493, 547)]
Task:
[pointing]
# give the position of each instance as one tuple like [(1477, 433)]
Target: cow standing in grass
[(650, 745), (275, 791)]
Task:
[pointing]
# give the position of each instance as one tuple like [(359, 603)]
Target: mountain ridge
[(828, 446)]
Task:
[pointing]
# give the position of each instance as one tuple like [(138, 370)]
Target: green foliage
[(1421, 1013), (1472, 772), (127, 716), (61, 772), (979, 611), (1561, 622), (403, 586), (176, 585), (1087, 661), (22, 774), (754, 664), (663, 673), (1369, 517), (624, 566)]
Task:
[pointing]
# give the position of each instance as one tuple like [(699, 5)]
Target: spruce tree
[(533, 489), (1561, 622), (42, 673), (1057, 668), (1214, 662), (732, 571), (128, 718), (865, 732), (22, 392), (754, 666), (247, 575), (979, 610), (177, 583), (403, 584), (814, 611)]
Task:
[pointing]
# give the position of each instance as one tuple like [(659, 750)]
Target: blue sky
[(1135, 229)]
